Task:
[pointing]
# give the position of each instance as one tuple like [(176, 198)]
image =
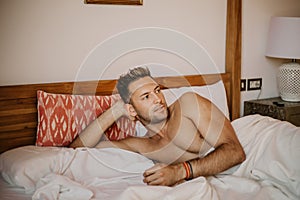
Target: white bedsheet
[(10, 192), (273, 153), (94, 174), (270, 171)]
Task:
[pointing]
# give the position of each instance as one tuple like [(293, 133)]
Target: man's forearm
[(91, 135), (221, 159)]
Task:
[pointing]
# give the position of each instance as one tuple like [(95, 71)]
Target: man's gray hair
[(131, 76)]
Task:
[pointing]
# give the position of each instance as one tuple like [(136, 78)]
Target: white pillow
[(24, 166), (215, 93)]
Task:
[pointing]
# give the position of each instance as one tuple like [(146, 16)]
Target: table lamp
[(284, 42)]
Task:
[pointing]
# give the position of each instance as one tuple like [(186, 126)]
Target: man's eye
[(145, 97), (157, 91)]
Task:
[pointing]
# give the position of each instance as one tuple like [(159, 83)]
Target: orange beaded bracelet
[(187, 170)]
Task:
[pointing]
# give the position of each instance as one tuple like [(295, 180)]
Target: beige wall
[(256, 17), (49, 40)]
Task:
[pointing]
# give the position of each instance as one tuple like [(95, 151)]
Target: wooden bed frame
[(18, 103)]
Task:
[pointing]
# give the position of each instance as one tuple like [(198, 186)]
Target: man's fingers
[(150, 171), (153, 169), (157, 181), (155, 178), (154, 175)]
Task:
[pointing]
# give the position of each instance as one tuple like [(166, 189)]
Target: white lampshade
[(284, 38), (284, 42)]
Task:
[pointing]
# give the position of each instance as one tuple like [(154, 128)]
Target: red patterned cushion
[(62, 117)]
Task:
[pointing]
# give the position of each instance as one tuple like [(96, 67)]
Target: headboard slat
[(25, 133), (18, 110), (19, 126), (17, 119), (9, 143)]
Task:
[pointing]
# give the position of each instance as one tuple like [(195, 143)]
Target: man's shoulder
[(191, 102), (189, 97)]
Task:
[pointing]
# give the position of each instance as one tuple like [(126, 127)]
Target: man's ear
[(131, 112)]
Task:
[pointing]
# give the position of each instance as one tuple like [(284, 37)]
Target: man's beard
[(153, 117)]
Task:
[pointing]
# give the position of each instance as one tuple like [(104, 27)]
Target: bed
[(35, 166), (32, 170)]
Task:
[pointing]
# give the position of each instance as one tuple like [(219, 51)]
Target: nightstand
[(276, 108)]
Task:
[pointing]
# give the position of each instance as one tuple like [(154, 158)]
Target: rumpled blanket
[(270, 171)]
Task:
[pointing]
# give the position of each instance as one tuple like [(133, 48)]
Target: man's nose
[(157, 98)]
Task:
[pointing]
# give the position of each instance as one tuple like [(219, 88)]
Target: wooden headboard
[(18, 104)]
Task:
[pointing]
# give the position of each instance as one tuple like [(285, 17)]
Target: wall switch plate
[(243, 84), (254, 84)]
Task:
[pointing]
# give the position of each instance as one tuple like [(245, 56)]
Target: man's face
[(148, 101)]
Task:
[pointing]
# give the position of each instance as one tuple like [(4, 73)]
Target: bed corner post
[(233, 54)]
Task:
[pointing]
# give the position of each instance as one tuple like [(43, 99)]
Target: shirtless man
[(178, 136)]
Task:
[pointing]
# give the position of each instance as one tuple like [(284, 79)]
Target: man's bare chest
[(183, 133)]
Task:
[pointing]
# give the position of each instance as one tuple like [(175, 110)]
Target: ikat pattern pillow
[(62, 117)]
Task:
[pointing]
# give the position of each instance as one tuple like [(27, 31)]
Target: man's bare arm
[(217, 130), (94, 131), (225, 156)]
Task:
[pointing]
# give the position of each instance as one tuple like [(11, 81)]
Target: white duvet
[(271, 170)]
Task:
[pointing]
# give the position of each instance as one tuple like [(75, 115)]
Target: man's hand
[(162, 174), (119, 108)]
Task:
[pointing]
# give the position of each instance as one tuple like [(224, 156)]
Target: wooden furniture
[(120, 2), (276, 108), (18, 112), (233, 53)]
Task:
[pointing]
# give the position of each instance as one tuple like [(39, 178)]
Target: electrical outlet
[(254, 84), (243, 84)]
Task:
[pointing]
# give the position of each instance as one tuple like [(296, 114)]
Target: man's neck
[(158, 128)]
